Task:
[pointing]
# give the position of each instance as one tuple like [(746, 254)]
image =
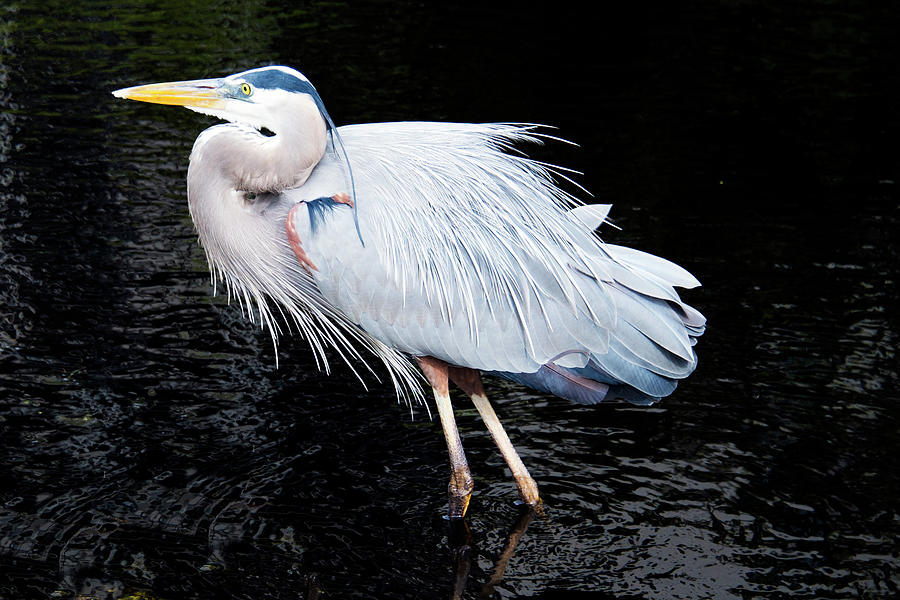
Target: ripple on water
[(147, 442)]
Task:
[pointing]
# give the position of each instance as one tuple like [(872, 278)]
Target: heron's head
[(261, 98)]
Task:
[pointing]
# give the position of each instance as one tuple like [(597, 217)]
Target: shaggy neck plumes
[(246, 245), (258, 163)]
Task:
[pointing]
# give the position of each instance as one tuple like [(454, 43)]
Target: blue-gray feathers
[(476, 257)]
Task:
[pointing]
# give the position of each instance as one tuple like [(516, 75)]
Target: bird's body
[(427, 240), (498, 286)]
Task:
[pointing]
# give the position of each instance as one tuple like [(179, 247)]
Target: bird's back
[(471, 254)]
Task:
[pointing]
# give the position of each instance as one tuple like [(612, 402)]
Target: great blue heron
[(428, 240)]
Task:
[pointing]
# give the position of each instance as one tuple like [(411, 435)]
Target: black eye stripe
[(278, 79)]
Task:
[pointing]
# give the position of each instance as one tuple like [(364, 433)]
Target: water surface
[(148, 444)]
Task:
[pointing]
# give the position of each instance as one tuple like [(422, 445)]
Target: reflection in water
[(148, 445)]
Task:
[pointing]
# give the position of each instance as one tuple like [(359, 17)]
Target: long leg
[(461, 483), (469, 381)]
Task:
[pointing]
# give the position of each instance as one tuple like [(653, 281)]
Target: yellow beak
[(199, 93)]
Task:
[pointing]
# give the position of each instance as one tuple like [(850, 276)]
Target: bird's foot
[(342, 198), (461, 486), (294, 241), (528, 492)]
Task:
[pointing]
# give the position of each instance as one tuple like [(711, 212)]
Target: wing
[(471, 254)]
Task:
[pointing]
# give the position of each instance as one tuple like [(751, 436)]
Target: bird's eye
[(245, 88)]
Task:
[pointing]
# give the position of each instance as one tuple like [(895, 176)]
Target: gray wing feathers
[(591, 215), (472, 255), (653, 265)]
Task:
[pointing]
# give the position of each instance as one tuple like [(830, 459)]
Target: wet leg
[(461, 484), (469, 381)]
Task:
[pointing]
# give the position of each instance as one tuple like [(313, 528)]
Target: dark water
[(150, 449)]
